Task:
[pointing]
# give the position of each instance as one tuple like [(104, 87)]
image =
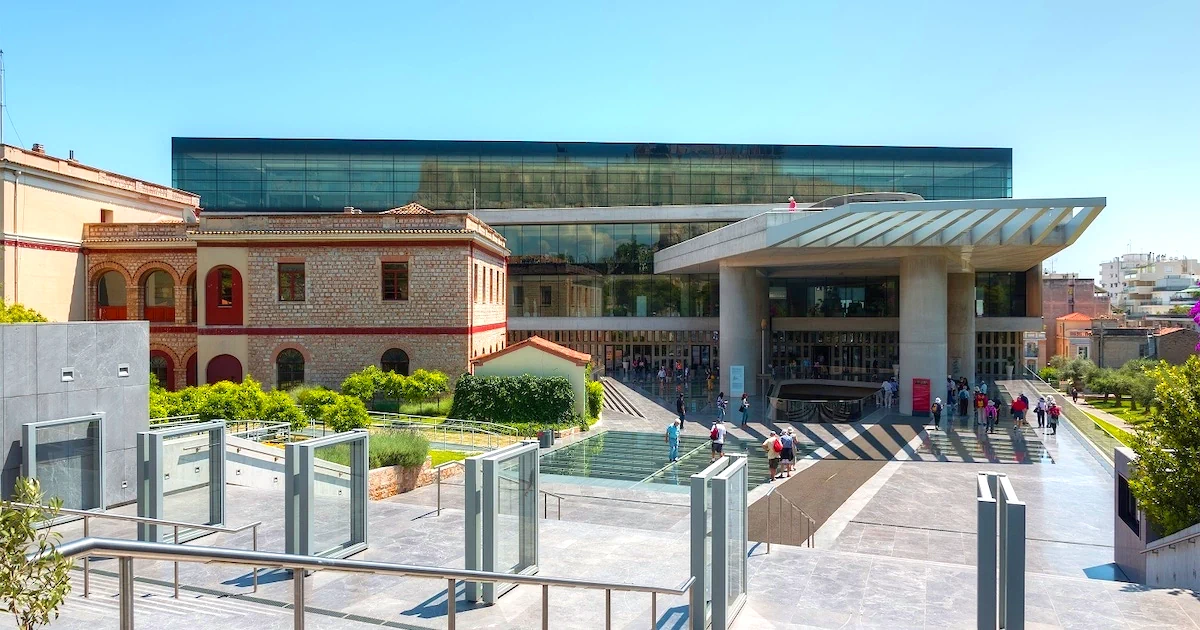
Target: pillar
[(923, 312), (743, 306), (960, 324)]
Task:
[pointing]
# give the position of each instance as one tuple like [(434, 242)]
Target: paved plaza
[(895, 547)]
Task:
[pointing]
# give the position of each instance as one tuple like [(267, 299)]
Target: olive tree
[(32, 590), (1166, 477)]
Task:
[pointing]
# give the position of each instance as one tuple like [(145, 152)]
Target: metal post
[(125, 591), (87, 563), (545, 506), (653, 611), (438, 479), (254, 542), (608, 609), (985, 552), (560, 508), (1014, 586), (176, 564), (545, 607), (1002, 514), (451, 605), (691, 602), (770, 500), (297, 599)]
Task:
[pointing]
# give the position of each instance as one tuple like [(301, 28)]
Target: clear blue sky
[(1095, 98)]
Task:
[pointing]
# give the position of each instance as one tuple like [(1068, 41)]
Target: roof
[(1166, 330), (412, 208), (1075, 317), (549, 347)]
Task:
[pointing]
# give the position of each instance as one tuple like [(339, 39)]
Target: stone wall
[(32, 357), (389, 481), (328, 359)]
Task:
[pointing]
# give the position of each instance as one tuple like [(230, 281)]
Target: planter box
[(392, 480)]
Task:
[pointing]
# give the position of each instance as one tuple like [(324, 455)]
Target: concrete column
[(743, 305), (922, 326), (960, 324)]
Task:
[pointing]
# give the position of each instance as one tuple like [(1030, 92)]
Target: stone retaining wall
[(392, 480)]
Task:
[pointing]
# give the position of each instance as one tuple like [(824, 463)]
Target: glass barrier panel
[(187, 489), (68, 461), (332, 498), (735, 514)]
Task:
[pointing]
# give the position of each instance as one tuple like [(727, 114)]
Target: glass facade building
[(236, 174)]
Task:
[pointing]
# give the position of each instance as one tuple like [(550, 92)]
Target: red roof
[(1166, 330), (1075, 317), (580, 358)]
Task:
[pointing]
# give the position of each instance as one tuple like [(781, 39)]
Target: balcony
[(160, 314), (111, 313)]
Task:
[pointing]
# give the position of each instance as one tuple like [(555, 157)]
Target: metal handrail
[(457, 462), (127, 550), (1189, 538), (490, 427), (808, 525), (175, 525)]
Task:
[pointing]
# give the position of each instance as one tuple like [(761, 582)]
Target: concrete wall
[(923, 310), (531, 360), (743, 305), (31, 388), (1177, 567), (1127, 544)]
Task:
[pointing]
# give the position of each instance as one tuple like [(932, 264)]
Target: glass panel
[(187, 478), (68, 461), (736, 518), (332, 513), (508, 515)]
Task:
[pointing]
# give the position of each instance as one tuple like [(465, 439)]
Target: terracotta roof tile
[(412, 208), (1075, 317), (580, 358)]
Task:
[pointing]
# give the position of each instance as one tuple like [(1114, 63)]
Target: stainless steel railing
[(437, 470), (794, 524), (175, 525), (126, 551)]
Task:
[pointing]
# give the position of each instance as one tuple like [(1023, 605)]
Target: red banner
[(920, 398)]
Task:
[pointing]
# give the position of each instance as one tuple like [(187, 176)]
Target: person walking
[(721, 405), (662, 376), (791, 204), (950, 398), (964, 402), (681, 409), (1074, 394), (773, 449), (980, 405), (935, 412), (990, 414), (673, 441), (1019, 407), (745, 408), (718, 440), (787, 453), (1040, 410), (1054, 412)]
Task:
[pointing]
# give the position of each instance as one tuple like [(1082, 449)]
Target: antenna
[(1, 97)]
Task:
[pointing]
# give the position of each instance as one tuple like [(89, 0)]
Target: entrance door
[(821, 355)]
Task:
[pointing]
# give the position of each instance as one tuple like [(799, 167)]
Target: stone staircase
[(615, 399)]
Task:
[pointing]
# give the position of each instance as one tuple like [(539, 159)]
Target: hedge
[(514, 399), (386, 448), (371, 381)]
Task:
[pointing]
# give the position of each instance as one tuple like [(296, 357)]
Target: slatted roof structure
[(986, 234)]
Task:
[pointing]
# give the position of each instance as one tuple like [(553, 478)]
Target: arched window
[(191, 299), (395, 360), (110, 296), (163, 369), (223, 367), (223, 297), (158, 297), (289, 369)]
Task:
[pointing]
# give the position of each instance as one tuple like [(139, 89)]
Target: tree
[(1166, 477), (17, 314), (31, 590), (345, 413), (1139, 385)]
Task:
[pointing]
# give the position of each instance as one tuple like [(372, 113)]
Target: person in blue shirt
[(673, 441)]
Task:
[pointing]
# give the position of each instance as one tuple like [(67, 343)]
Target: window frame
[(290, 280), (280, 382), (384, 274)]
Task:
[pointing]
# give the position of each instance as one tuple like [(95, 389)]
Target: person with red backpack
[(774, 450), (717, 435), (1054, 412)]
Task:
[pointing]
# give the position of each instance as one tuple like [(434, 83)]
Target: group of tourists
[(987, 410), (781, 453), (1046, 410)]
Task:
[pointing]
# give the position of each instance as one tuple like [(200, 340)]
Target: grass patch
[(441, 457), (387, 448), (439, 408), (1122, 410), (1121, 435)]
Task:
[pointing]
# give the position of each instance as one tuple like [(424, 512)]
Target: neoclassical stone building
[(289, 298)]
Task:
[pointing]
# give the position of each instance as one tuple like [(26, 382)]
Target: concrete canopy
[(991, 234)]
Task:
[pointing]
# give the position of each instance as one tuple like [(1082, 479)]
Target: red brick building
[(1063, 294), (289, 298)]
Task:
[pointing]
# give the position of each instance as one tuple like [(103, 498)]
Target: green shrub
[(278, 407), (345, 413), (385, 448), (371, 381), (1048, 374), (363, 384), (17, 313), (595, 398), (231, 401), (313, 399), (514, 399)]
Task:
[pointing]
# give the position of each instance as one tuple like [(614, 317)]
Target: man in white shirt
[(718, 440)]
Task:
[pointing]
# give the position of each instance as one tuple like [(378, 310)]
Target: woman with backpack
[(787, 451), (773, 448), (717, 435), (935, 412), (1054, 412)]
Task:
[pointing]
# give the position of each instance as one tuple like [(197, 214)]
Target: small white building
[(539, 357)]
